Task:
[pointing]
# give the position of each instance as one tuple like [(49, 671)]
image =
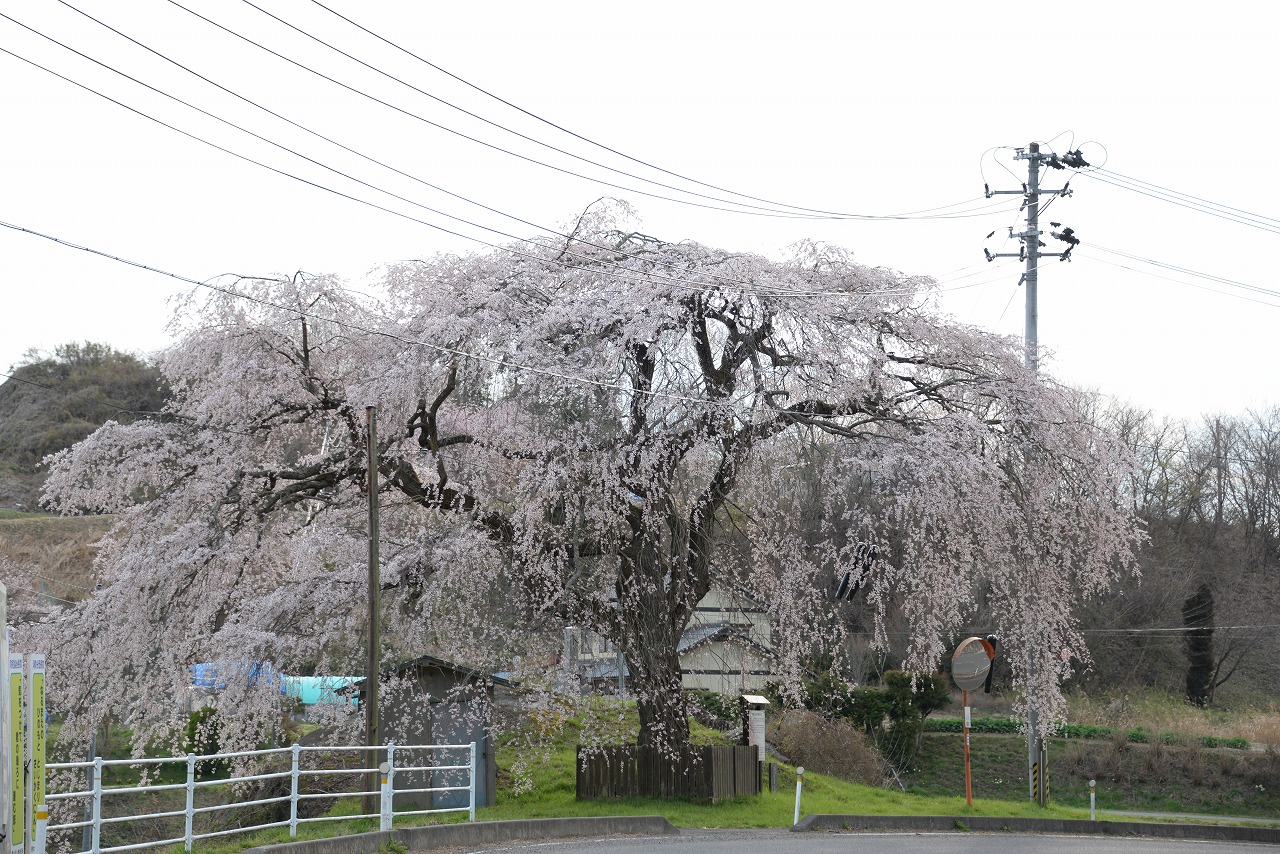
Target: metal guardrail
[(385, 794)]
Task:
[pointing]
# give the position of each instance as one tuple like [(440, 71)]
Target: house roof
[(432, 661), (607, 668), (712, 632), (603, 668)]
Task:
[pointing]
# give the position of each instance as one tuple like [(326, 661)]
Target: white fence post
[(387, 790), (472, 783), (97, 804), (190, 820), (95, 815), (799, 783), (296, 752)]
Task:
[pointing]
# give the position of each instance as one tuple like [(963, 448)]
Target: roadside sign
[(17, 758)]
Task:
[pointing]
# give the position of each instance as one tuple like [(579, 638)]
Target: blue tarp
[(208, 675), (309, 690), (320, 690)]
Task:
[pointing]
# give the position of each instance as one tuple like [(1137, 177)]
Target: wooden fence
[(693, 773)]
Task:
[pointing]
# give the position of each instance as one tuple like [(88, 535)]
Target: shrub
[(1156, 765), (827, 694), (867, 708), (916, 696), (202, 740), (1110, 761), (1085, 731), (828, 746), (718, 711), (1075, 761), (1193, 765), (999, 726)]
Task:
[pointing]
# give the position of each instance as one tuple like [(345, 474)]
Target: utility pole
[(1030, 252), (1032, 237), (374, 641)]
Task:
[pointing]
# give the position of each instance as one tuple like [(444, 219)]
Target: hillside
[(51, 402), (49, 556), (1155, 777)]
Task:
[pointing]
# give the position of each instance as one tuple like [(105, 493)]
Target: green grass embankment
[(1151, 777)]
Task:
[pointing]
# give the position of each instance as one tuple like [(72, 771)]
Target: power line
[(751, 288), (1198, 208), (807, 212), (261, 138), (115, 409), (549, 123), (453, 351), (1171, 630), (535, 161), (1186, 195), (1098, 260), (349, 197), (546, 229), (1189, 272), (543, 228), (346, 324)]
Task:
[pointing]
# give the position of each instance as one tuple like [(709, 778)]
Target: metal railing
[(297, 772)]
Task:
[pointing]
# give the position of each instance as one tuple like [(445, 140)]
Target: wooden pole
[(374, 642)]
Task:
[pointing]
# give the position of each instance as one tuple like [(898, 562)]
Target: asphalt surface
[(1194, 817), (785, 842)]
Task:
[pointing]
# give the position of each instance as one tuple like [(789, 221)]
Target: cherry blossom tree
[(589, 431)]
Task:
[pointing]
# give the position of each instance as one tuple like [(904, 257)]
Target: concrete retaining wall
[(937, 823)]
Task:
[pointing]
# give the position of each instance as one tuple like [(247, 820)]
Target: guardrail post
[(387, 791), (799, 785), (97, 804), (295, 751), (471, 785), (190, 820)]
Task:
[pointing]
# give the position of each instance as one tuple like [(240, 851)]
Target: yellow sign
[(35, 740), (17, 745)]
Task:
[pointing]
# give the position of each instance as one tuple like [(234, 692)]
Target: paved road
[(785, 842), (1194, 817)]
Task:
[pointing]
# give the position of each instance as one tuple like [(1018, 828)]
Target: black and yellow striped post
[(1040, 775)]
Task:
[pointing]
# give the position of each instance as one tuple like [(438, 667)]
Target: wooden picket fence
[(710, 773)]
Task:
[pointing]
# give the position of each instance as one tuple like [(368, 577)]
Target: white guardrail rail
[(299, 769)]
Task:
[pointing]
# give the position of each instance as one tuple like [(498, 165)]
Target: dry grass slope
[(59, 548)]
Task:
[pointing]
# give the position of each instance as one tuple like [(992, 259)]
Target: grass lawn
[(552, 795)]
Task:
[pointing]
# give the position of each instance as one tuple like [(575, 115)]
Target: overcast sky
[(851, 107)]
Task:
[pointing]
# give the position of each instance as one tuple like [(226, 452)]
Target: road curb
[(478, 833), (988, 824)]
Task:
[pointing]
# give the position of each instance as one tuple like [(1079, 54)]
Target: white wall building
[(727, 649)]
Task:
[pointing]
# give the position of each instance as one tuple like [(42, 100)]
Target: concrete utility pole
[(1032, 236), (1031, 341), (374, 641), (1030, 252)]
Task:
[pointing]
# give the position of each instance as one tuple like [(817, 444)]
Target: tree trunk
[(664, 720), (1197, 616), (651, 637)]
